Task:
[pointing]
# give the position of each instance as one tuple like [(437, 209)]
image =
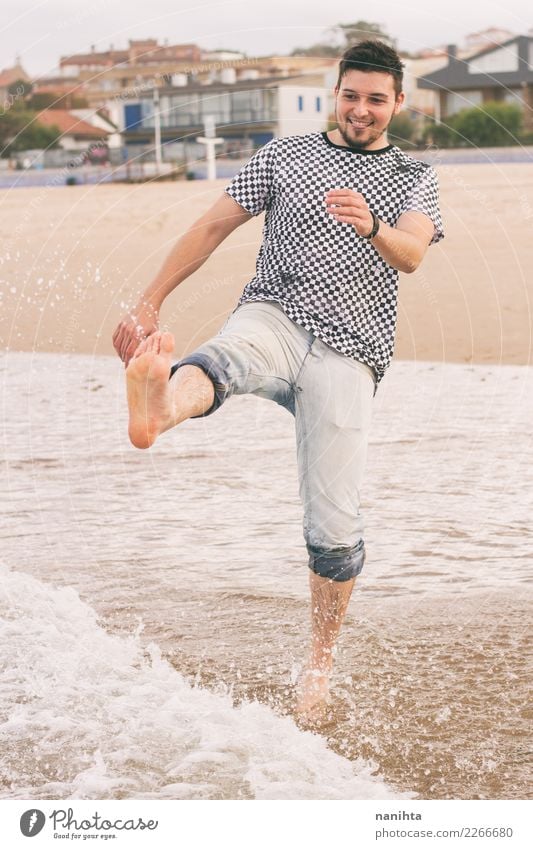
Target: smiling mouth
[(359, 125)]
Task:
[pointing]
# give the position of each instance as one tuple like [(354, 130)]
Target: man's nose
[(360, 110)]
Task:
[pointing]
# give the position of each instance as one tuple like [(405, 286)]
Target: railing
[(183, 120)]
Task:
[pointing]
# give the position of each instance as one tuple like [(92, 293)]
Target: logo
[(31, 822)]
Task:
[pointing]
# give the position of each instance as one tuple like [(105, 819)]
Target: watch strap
[(375, 227)]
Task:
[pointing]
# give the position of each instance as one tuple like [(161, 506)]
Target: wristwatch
[(375, 227)]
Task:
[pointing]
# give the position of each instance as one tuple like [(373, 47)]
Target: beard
[(373, 135)]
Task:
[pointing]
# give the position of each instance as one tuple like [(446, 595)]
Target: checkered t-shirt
[(325, 277)]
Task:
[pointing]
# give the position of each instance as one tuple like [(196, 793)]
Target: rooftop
[(69, 124)]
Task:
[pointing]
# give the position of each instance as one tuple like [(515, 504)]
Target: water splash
[(92, 715)]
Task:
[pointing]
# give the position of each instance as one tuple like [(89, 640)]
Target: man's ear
[(399, 102)]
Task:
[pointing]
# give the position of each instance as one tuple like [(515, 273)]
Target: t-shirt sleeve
[(424, 197), (252, 185)]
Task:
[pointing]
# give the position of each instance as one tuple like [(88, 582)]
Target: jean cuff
[(216, 375), (337, 564)]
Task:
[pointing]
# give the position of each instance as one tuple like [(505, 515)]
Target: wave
[(88, 714)]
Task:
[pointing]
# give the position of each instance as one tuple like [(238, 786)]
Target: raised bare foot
[(312, 693), (149, 398)]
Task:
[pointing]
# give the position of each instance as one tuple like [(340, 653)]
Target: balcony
[(187, 112)]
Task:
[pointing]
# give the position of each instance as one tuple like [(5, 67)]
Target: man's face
[(364, 107)]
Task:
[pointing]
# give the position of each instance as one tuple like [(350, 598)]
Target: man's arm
[(402, 246), (187, 255)]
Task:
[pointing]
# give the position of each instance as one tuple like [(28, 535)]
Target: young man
[(314, 329)]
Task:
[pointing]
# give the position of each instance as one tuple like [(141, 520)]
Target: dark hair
[(372, 56)]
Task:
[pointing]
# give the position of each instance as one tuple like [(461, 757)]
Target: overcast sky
[(40, 31)]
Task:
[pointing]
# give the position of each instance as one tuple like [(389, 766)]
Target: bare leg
[(329, 602), (156, 403)]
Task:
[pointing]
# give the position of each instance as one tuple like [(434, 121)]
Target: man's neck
[(336, 138)]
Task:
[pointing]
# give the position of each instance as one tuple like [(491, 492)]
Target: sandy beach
[(74, 258)]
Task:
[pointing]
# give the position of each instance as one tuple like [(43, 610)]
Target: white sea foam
[(88, 714)]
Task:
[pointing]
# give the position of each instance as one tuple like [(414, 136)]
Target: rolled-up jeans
[(260, 351)]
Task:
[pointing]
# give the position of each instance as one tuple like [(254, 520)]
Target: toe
[(141, 348), (167, 343), (154, 341)]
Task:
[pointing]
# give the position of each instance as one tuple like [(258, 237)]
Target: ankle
[(321, 660)]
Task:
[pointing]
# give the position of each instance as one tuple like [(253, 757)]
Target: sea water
[(154, 605)]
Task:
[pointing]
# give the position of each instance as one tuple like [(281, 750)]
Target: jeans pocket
[(228, 319), (352, 398)]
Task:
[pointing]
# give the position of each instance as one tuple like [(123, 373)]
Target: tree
[(343, 36), (493, 123), (20, 88), (321, 49), (442, 135), (361, 31), (20, 130), (56, 100), (401, 130)]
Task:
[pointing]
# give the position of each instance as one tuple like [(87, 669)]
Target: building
[(247, 113), (475, 42), (503, 72), (101, 122), (114, 74), (418, 100), (65, 89), (251, 99), (144, 53), (77, 134)]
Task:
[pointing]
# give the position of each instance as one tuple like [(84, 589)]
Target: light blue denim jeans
[(260, 351)]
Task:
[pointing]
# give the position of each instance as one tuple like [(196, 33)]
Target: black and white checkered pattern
[(326, 278)]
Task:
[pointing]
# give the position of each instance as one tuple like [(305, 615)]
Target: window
[(300, 103), (318, 105), (457, 100)]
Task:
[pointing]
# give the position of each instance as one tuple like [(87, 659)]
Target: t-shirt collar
[(363, 152)]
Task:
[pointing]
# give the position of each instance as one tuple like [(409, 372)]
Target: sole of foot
[(148, 391)]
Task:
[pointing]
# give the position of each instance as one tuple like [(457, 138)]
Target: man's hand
[(351, 208), (402, 246), (134, 327)]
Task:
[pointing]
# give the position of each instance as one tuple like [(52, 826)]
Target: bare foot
[(149, 398), (312, 696)]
